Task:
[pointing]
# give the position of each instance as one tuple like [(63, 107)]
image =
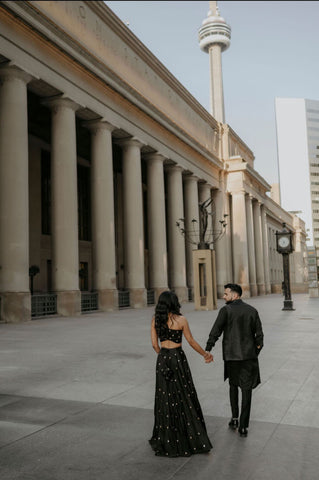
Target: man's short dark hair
[(234, 287)]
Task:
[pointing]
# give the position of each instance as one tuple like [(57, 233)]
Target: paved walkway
[(76, 399)]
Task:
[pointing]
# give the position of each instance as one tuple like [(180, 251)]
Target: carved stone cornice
[(241, 144), (238, 164)]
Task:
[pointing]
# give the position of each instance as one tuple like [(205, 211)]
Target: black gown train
[(179, 427)]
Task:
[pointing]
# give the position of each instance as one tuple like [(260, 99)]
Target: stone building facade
[(102, 150)]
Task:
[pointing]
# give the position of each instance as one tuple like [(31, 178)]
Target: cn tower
[(214, 38)]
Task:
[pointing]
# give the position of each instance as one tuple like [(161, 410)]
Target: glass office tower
[(297, 121)]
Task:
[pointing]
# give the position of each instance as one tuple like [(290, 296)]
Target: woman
[(179, 428)]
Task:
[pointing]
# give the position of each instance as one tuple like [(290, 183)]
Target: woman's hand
[(208, 357)]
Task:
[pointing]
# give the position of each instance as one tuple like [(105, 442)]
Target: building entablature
[(299, 225), (237, 147), (278, 214), (171, 148), (235, 181), (242, 175), (257, 180)]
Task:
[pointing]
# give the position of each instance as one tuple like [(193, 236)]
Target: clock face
[(283, 242)]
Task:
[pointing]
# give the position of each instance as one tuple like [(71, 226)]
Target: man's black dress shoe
[(233, 423), (243, 432)]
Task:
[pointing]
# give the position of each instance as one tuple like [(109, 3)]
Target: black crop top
[(172, 335)]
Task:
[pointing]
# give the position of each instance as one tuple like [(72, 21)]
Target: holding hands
[(208, 357)]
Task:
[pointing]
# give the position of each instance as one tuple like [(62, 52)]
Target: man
[(242, 342)]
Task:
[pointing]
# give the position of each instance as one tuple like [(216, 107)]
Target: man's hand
[(208, 357)]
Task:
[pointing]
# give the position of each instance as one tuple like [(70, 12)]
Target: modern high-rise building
[(297, 122)]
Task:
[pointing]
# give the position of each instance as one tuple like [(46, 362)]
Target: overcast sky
[(274, 52)]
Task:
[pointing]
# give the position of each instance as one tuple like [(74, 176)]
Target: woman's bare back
[(175, 322)]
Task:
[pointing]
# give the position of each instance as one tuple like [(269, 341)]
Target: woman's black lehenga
[(179, 428)]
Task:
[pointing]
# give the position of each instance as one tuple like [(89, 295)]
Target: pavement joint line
[(252, 474), (248, 476), (279, 424), (90, 407), (49, 425), (121, 393), (264, 382), (265, 445), (187, 460), (294, 398), (31, 434)]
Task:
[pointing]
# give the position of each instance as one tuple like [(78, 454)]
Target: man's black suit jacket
[(242, 331)]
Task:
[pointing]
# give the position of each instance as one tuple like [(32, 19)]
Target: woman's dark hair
[(234, 287), (167, 303)]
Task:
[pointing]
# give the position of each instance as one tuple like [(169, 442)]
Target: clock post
[(285, 247)]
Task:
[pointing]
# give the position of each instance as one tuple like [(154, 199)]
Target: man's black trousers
[(245, 405)]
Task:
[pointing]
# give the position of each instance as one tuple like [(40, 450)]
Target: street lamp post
[(204, 235), (200, 235), (285, 247)]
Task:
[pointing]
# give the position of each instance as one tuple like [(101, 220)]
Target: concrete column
[(204, 192), (133, 222), (176, 241), (65, 243), (216, 75), (228, 237), (220, 245), (251, 246), (102, 200), (266, 249), (239, 234), (14, 196), (157, 248), (191, 213), (299, 257), (259, 251)]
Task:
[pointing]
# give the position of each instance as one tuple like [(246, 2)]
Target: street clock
[(285, 247), (284, 240)]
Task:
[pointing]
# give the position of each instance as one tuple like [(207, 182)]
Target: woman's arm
[(154, 337), (191, 340)]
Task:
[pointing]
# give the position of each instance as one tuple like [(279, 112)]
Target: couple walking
[(179, 427)]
